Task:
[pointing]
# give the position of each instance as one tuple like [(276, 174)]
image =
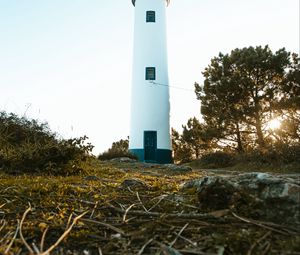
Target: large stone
[(177, 168), (253, 194), (134, 184), (123, 160)]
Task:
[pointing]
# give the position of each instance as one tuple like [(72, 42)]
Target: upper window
[(150, 16), (150, 73)]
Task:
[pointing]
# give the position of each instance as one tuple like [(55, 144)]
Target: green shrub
[(279, 154), (118, 149), (111, 154), (217, 159), (27, 146)]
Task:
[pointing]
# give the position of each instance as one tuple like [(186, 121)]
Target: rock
[(267, 186), (254, 194), (177, 168), (91, 178), (216, 193), (134, 184), (123, 160)]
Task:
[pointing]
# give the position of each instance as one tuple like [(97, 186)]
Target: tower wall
[(150, 106)]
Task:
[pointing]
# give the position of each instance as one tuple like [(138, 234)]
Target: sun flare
[(274, 124)]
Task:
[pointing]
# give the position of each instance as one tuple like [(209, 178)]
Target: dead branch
[(43, 239), (120, 231), (94, 209), (36, 249), (3, 225), (180, 232), (144, 246), (259, 224), (158, 202), (69, 221), (195, 252), (187, 240), (20, 231), (47, 252), (138, 197), (126, 212), (257, 242), (13, 239), (157, 214)]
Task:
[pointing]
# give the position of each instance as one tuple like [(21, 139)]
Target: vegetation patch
[(95, 213), (118, 149), (27, 146)]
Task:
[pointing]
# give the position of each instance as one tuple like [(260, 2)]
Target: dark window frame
[(150, 73), (150, 17)]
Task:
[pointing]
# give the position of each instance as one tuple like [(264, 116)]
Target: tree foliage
[(196, 138), (242, 93), (246, 89)]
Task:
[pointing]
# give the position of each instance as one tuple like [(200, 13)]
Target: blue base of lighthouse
[(162, 156)]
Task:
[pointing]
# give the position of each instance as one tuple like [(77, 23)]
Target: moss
[(54, 198)]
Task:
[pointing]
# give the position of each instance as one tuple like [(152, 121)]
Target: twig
[(36, 249), (120, 231), (20, 231), (175, 215), (13, 239), (180, 232), (138, 197), (194, 252), (100, 251), (6, 236), (266, 249), (3, 225), (47, 252), (68, 222), (158, 202), (94, 209), (43, 239), (144, 246), (256, 223), (257, 242), (126, 212), (188, 240)]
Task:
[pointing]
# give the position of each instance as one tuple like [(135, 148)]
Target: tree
[(222, 100), (196, 136), (242, 89), (182, 152), (289, 103)]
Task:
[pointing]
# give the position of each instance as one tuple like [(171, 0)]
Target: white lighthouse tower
[(150, 104)]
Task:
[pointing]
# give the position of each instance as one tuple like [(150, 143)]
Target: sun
[(274, 124)]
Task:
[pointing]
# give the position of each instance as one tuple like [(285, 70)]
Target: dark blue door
[(150, 145)]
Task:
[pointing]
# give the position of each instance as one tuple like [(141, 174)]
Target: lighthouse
[(150, 101)]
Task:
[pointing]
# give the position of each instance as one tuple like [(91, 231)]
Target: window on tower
[(150, 73), (150, 16)]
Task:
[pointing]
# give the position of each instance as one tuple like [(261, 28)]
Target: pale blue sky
[(68, 62)]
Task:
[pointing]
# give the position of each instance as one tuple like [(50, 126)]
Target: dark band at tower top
[(133, 2)]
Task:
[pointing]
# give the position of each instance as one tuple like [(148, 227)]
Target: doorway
[(150, 145)]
